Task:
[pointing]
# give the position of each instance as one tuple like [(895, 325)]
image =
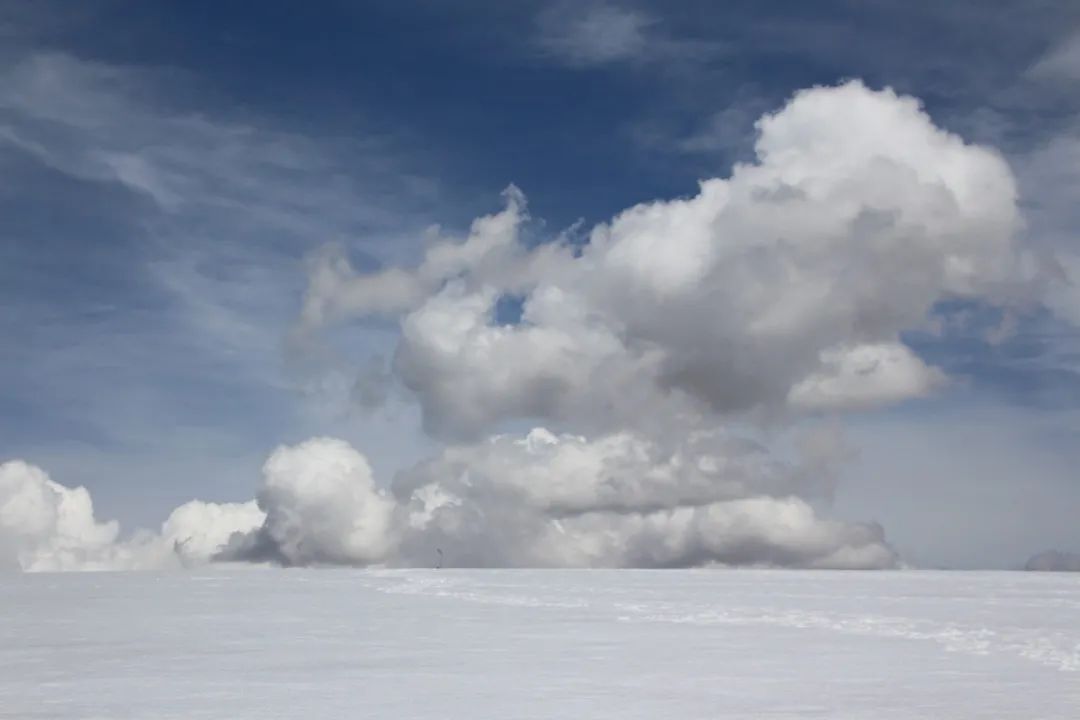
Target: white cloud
[(865, 376), (856, 218), (46, 526), (552, 500), (491, 249), (537, 500), (784, 288), (469, 372), (197, 530), (322, 506)]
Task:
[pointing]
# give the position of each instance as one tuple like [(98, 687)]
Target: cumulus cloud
[(623, 500), (321, 506), (46, 526), (865, 376), (780, 290), (537, 500), (196, 531), (783, 287), (490, 250), (547, 500)]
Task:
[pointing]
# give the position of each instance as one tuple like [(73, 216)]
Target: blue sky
[(172, 167)]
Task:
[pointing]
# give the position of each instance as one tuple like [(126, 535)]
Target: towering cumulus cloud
[(321, 506), (784, 287), (776, 293)]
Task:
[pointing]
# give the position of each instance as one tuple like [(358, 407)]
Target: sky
[(539, 283)]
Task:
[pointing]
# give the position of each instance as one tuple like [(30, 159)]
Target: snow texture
[(251, 643)]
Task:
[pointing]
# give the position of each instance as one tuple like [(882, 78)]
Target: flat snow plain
[(239, 643)]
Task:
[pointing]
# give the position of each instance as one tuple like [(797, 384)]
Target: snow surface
[(235, 644)]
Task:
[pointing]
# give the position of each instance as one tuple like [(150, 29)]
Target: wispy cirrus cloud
[(1061, 62), (599, 33), (225, 208), (156, 256)]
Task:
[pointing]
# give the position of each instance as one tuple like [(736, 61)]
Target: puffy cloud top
[(540, 500), (46, 526), (784, 287), (547, 500), (321, 506), (623, 501)]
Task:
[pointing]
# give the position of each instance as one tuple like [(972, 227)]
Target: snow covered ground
[(237, 644)]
